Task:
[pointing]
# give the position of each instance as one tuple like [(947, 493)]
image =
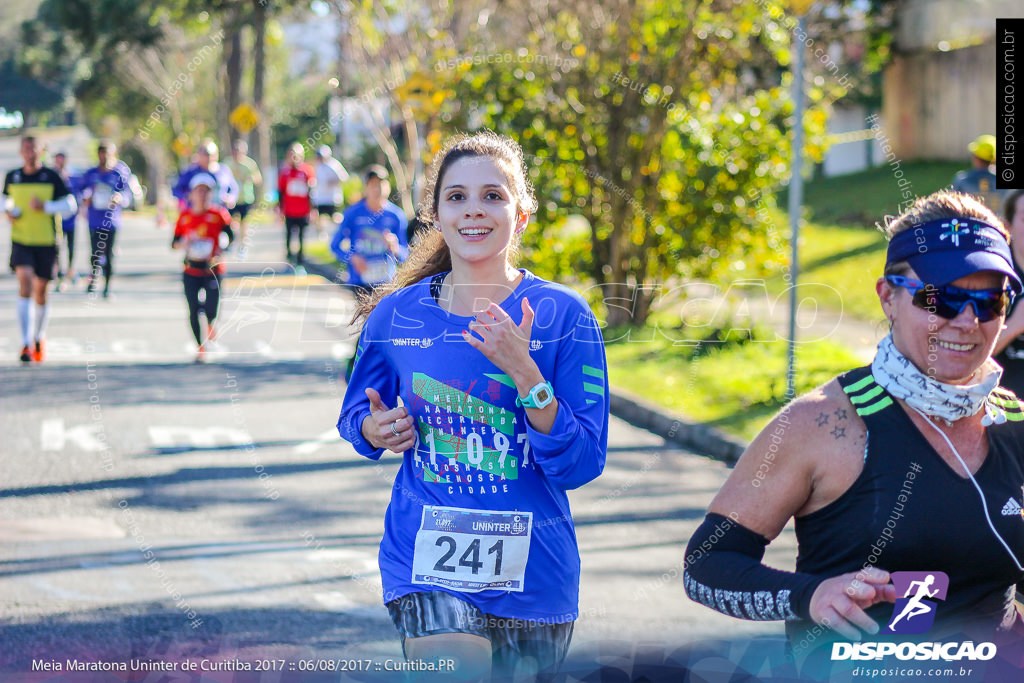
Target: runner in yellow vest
[(33, 196)]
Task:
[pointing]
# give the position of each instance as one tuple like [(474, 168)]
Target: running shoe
[(92, 285), (201, 354), (211, 333), (39, 353), (26, 354)]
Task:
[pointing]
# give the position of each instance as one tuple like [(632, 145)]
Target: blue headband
[(947, 249)]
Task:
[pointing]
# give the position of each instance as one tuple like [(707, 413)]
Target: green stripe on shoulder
[(1005, 396), (857, 386), (875, 407), (593, 372), (867, 395)]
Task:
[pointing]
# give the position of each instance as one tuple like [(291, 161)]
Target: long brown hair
[(431, 255)]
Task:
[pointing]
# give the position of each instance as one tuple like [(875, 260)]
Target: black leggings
[(291, 226), (102, 254), (69, 244), (193, 285)]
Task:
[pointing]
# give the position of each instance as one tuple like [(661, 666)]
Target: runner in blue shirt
[(375, 231), (104, 187), (73, 179), (504, 408)]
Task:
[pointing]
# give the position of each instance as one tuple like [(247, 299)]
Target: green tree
[(388, 54), (656, 122)]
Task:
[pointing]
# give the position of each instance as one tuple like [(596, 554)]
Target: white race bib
[(472, 550), (377, 271), (297, 188), (200, 249), (101, 196)]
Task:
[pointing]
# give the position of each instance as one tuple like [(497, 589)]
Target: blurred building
[(939, 91)]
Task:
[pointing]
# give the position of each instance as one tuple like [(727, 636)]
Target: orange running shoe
[(26, 354), (39, 353)]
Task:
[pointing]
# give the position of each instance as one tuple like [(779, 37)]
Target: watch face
[(543, 396)]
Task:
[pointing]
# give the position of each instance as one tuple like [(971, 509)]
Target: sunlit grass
[(736, 386)]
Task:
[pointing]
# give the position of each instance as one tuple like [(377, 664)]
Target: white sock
[(25, 319), (42, 317)]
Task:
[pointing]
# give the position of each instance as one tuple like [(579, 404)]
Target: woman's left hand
[(505, 344)]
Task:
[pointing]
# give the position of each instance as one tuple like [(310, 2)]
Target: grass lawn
[(847, 259), (320, 252), (734, 386), (865, 197)]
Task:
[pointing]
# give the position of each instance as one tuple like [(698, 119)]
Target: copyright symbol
[(1007, 174)]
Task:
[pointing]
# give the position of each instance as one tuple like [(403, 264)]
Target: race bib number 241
[(472, 550)]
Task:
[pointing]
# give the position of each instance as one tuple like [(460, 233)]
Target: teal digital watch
[(539, 396)]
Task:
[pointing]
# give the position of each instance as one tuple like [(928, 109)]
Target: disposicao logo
[(915, 612)]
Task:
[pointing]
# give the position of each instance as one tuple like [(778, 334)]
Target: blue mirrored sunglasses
[(949, 301)]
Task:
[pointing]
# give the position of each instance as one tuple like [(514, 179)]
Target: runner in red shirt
[(198, 232), (294, 184)]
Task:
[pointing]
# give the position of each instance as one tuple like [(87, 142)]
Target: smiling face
[(477, 211), (947, 350)]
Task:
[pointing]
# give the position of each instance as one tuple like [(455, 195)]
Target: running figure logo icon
[(915, 612)]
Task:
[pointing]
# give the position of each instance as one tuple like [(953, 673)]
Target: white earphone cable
[(984, 505)]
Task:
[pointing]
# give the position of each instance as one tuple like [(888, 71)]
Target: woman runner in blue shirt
[(504, 394)]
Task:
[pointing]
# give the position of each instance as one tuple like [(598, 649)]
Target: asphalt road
[(156, 509)]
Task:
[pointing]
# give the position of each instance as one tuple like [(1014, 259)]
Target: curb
[(700, 438)]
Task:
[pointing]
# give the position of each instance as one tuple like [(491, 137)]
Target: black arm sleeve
[(723, 571)]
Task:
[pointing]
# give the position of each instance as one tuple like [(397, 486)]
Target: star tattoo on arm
[(838, 432), (822, 419), (840, 413)]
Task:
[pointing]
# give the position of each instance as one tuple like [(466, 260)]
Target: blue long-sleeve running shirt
[(479, 506), (102, 184), (365, 231)]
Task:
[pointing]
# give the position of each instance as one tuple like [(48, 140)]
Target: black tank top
[(909, 511)]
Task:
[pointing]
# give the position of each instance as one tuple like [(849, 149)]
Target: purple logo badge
[(914, 612)]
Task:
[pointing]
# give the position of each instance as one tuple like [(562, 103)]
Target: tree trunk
[(233, 66), (259, 27)]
